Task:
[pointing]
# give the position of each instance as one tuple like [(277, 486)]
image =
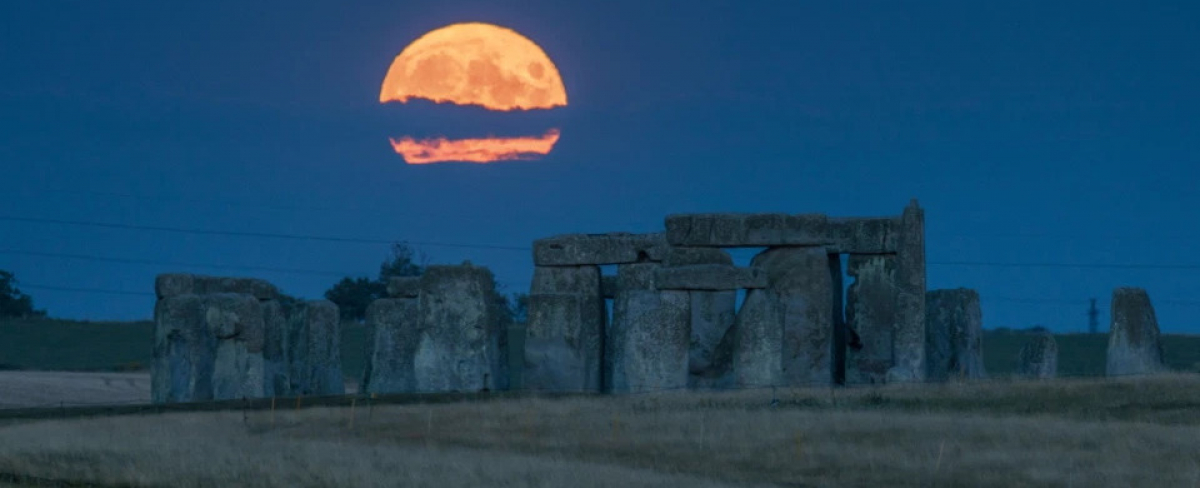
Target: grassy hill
[(58, 345), (61, 345), (1082, 354)]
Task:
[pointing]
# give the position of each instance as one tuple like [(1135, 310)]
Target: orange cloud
[(483, 150)]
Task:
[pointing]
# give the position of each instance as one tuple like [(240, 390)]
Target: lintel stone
[(404, 286), (873, 235), (598, 249), (714, 277), (747, 230), (687, 256), (175, 284)]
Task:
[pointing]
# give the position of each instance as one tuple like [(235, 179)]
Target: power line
[(356, 240), (267, 235), (1065, 265), (84, 257), (1170, 302), (99, 291)]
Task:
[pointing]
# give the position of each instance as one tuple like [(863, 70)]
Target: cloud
[(480, 150)]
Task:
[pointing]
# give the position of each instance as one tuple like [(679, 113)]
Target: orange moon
[(475, 64)]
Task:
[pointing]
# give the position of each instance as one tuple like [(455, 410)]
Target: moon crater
[(475, 64)]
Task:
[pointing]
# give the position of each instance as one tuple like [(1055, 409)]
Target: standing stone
[(909, 342), (394, 332), (324, 348), (313, 342), (1038, 357), (871, 312), (837, 306), (713, 314), (565, 330), (459, 345), (647, 344), (1133, 337), (275, 350), (758, 344), (183, 351), (800, 279), (236, 320), (954, 335)]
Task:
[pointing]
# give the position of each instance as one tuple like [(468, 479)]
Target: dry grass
[(1066, 433), (22, 389)]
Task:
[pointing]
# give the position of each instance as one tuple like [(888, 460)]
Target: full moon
[(475, 64)]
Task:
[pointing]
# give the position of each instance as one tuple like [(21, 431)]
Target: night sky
[(1050, 143)]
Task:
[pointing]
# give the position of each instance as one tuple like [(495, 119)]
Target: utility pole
[(1093, 323)]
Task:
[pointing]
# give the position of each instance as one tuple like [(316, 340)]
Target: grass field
[(53, 345), (1128, 432)]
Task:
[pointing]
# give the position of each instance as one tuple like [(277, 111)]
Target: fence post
[(371, 407)]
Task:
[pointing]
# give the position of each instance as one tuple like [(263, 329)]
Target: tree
[(14, 303), (519, 307), (354, 295), (402, 262)]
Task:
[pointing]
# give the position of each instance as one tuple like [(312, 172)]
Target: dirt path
[(23, 389)]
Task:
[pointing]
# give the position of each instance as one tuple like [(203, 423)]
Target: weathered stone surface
[(688, 256), (837, 307), (184, 351), (608, 286), (909, 341), (553, 365), (168, 285), (758, 343), (713, 314), (647, 344), (747, 230), (712, 277), (324, 348), (236, 321), (598, 249), (459, 347), (1133, 336), (871, 312), (566, 307), (870, 235), (954, 335), (710, 353), (404, 286), (873, 235), (800, 279), (276, 365), (394, 331), (1038, 357), (173, 284)]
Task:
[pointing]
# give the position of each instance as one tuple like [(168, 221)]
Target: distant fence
[(369, 401)]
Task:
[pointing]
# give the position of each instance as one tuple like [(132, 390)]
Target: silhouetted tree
[(354, 295), (402, 262), (14, 303), (519, 307)]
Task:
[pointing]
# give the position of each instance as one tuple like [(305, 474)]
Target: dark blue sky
[(1030, 133)]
